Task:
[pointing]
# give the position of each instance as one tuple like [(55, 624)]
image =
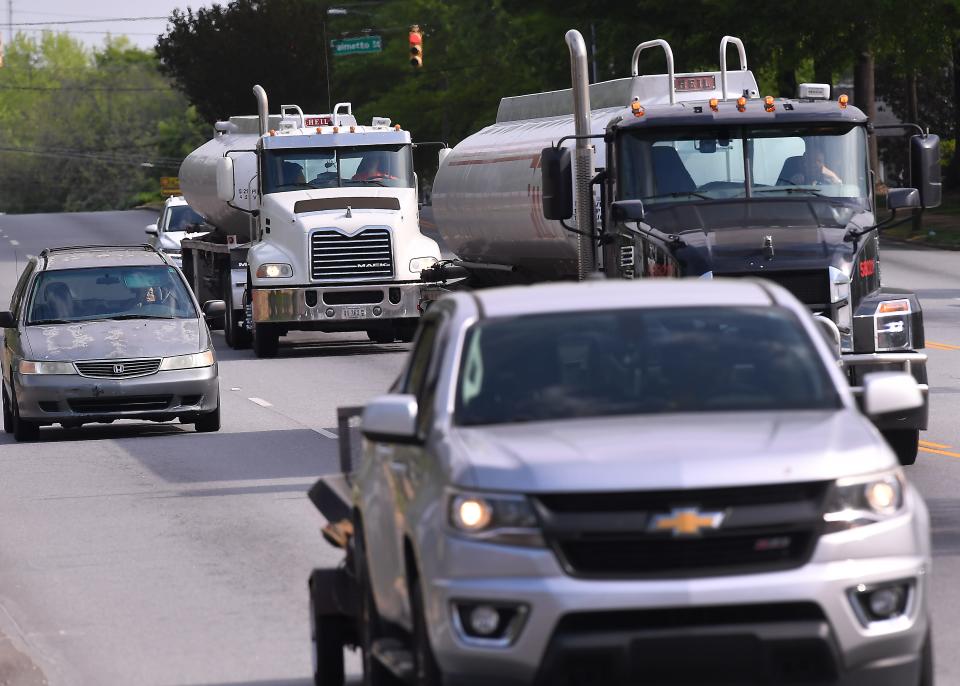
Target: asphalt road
[(144, 554)]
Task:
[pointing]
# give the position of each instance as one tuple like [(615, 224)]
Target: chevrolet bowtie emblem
[(686, 521)]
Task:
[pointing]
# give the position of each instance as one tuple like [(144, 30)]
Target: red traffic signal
[(416, 47)]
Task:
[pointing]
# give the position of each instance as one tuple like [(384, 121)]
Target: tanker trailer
[(694, 174), (314, 225)]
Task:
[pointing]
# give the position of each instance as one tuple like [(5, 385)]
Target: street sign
[(363, 45), (169, 185)]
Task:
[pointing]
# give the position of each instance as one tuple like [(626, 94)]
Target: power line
[(82, 21), (96, 89), (74, 31)]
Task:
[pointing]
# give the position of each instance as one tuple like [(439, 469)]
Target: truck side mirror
[(226, 188), (830, 332), (925, 169), (627, 211), (903, 198), (557, 179), (442, 155)]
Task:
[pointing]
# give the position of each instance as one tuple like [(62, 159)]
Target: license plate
[(354, 312)]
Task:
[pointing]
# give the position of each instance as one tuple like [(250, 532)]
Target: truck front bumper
[(336, 304), (794, 626)]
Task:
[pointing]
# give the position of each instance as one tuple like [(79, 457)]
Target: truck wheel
[(23, 429), (905, 443), (382, 335), (237, 335), (266, 340), (425, 664), (407, 329), (327, 634), (7, 414)]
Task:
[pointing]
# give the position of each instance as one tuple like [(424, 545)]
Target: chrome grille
[(118, 369), (336, 256)]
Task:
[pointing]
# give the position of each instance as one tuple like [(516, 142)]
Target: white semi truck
[(314, 226), (692, 174)]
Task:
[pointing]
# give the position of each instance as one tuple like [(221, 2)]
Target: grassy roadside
[(940, 227)]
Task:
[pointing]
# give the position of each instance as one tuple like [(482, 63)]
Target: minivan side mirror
[(557, 182), (7, 321), (925, 169), (391, 419), (213, 310), (889, 392), (226, 187), (152, 230)]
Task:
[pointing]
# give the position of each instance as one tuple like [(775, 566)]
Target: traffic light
[(416, 47)]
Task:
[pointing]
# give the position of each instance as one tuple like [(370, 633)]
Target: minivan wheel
[(209, 421), (7, 414), (23, 429)]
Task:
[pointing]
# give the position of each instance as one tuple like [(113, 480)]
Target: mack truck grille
[(683, 533), (118, 369), (810, 286), (336, 256)]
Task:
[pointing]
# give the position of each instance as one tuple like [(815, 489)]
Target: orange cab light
[(336, 129), (353, 129), (768, 103), (714, 104), (396, 127), (319, 130), (637, 108), (889, 306), (843, 100), (742, 103)]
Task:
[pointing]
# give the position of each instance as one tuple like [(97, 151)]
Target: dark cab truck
[(695, 175)]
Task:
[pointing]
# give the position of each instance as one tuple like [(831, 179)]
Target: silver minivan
[(96, 334)]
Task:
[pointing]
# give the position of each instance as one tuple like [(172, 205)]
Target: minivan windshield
[(359, 166), (639, 361), (63, 296), (699, 165)]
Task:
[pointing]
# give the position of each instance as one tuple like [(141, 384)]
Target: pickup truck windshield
[(183, 218), (132, 292), (363, 166), (697, 165), (643, 361)]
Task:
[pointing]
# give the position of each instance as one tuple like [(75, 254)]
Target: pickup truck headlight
[(193, 361), (30, 367), (274, 270), (496, 518), (891, 325), (858, 501)]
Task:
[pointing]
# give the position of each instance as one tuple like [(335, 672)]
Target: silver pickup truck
[(621, 483)]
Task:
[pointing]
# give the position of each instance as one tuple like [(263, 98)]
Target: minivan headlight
[(858, 501), (495, 518), (193, 361), (31, 367)]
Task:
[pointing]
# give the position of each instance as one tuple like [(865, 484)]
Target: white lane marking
[(13, 242), (260, 401), (328, 434), (235, 388)]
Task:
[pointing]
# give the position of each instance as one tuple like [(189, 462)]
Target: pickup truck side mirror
[(888, 392), (391, 419), (557, 180), (925, 169), (152, 230), (903, 198), (7, 321)]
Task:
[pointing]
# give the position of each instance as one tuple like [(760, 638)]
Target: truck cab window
[(355, 166)]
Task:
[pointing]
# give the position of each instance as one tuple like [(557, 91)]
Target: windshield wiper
[(679, 194), (52, 321), (788, 189), (132, 316), (295, 185)]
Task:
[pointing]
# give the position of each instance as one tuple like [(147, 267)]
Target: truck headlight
[(193, 361), (859, 501), (891, 325), (418, 264), (496, 518), (274, 270), (31, 367)]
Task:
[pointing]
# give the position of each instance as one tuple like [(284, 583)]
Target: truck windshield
[(643, 361), (133, 292), (697, 165), (365, 166)]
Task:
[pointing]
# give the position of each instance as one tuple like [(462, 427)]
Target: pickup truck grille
[(118, 369), (810, 286), (613, 535), (367, 254)]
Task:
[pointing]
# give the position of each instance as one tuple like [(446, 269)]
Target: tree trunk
[(787, 82), (953, 171), (864, 93), (822, 73)]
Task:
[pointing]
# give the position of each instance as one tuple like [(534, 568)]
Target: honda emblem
[(118, 369)]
